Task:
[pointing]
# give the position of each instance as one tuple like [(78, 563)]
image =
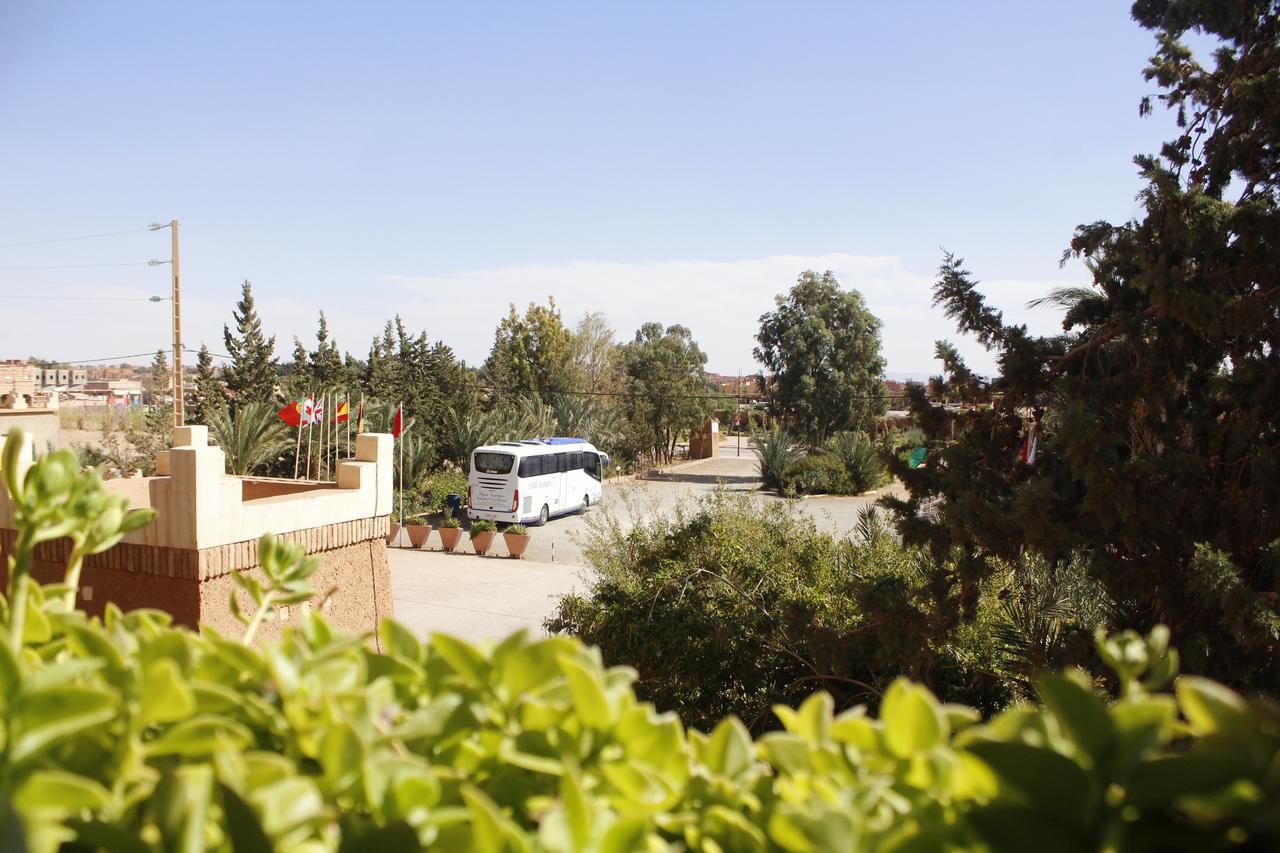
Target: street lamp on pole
[(178, 396)]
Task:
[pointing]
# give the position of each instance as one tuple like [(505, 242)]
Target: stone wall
[(207, 528), (41, 424)]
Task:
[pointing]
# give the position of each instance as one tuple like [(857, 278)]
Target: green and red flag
[(292, 413)]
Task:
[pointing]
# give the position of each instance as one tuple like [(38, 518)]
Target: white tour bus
[(531, 481)]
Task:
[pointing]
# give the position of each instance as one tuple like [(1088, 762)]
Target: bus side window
[(526, 467), (577, 460), (562, 460)]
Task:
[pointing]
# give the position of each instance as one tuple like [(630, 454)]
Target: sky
[(671, 162)]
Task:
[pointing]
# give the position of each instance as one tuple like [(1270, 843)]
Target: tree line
[(636, 398)]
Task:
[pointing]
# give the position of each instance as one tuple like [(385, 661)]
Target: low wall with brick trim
[(184, 562)]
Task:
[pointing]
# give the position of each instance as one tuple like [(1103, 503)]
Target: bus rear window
[(492, 463)]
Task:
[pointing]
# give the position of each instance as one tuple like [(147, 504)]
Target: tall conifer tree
[(251, 376), (1156, 415), (209, 396), (327, 368), (161, 380)]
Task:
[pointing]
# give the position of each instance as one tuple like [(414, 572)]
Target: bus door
[(562, 482)]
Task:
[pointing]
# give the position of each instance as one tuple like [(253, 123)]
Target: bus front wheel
[(543, 515)]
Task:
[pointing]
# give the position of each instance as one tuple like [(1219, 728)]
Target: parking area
[(487, 597)]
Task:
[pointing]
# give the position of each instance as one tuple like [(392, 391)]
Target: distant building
[(113, 392), (62, 377), (18, 378)]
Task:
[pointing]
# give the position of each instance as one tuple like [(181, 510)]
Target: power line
[(134, 355), (214, 354), (70, 239), (94, 298), (113, 358), (77, 266)]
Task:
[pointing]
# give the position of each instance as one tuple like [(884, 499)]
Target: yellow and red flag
[(343, 413)]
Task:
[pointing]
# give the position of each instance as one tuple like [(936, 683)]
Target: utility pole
[(179, 398), (179, 415)]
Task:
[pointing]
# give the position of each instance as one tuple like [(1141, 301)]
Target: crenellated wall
[(207, 527)]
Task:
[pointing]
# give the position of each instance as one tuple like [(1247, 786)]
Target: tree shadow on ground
[(707, 479)]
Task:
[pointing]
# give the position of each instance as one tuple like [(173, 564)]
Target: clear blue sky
[(444, 160)]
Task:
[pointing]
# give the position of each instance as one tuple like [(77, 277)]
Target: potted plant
[(419, 530), (517, 538), (482, 535), (450, 531), (415, 519), (393, 532)]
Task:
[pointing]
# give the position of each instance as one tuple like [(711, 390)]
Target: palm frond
[(252, 437), (1067, 297)]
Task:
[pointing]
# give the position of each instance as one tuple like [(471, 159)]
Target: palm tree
[(418, 460), (251, 438), (534, 419), (777, 452), (858, 457), (469, 431), (586, 418)]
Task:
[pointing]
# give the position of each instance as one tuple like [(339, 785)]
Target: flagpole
[(324, 436), (297, 450), (308, 415), (401, 440), (348, 424)]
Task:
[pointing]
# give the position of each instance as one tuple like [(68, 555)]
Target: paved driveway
[(559, 539), (476, 598), (480, 598)]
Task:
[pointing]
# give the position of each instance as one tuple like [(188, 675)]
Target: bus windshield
[(487, 462)]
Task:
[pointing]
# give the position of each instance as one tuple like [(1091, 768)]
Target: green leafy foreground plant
[(126, 733)]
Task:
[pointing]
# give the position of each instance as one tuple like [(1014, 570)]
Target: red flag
[(291, 414), (397, 426), (344, 412)]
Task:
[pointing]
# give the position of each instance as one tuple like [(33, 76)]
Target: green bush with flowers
[(126, 733)]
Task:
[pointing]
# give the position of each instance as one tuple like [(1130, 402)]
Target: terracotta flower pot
[(516, 544), (391, 535), (449, 537), (418, 534), (482, 541)]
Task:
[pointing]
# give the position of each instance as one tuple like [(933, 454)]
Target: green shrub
[(817, 473), (776, 453), (847, 465), (482, 526), (412, 504), (128, 734), (731, 606), (516, 530), (857, 455), (449, 521), (436, 486)]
